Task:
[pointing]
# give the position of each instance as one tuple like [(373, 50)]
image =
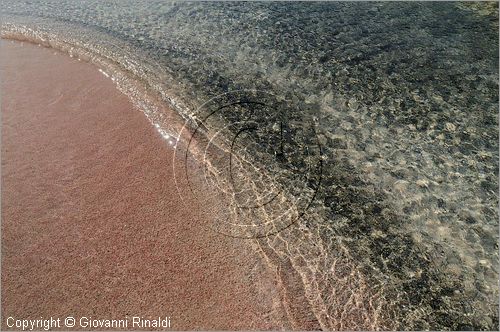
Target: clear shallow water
[(370, 149)]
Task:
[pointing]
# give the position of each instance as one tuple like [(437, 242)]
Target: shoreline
[(298, 302), (86, 180), (403, 231)]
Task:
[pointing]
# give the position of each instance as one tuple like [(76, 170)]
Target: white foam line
[(104, 73)]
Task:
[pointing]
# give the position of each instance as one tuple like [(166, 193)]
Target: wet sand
[(92, 224)]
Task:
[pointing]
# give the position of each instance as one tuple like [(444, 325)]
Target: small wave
[(376, 247)]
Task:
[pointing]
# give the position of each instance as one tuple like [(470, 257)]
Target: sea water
[(356, 144)]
